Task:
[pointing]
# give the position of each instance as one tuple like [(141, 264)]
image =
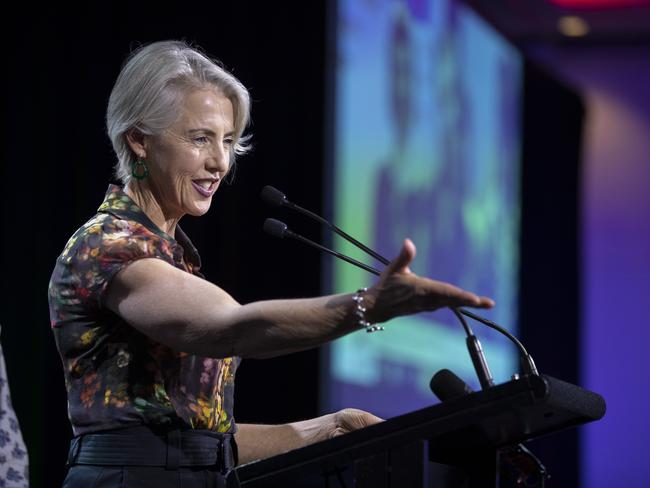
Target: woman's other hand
[(347, 420), (263, 441)]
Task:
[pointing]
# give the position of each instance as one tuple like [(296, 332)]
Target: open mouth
[(205, 187)]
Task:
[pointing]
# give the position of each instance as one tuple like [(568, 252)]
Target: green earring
[(139, 170)]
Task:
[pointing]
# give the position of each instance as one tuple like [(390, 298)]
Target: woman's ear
[(136, 141)]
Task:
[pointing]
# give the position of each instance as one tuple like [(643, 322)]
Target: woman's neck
[(142, 194)]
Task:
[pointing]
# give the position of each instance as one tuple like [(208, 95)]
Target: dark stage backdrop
[(59, 66)]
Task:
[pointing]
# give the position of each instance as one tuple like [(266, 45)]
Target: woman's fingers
[(485, 302), (442, 294), (401, 292), (401, 263)]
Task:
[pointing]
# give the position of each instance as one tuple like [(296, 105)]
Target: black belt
[(141, 446)]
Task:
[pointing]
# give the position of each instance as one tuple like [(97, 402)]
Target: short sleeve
[(97, 252)]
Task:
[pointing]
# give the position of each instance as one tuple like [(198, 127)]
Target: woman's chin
[(199, 209)]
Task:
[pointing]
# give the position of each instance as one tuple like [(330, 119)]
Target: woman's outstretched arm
[(193, 315)]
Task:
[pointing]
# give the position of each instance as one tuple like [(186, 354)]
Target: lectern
[(470, 441)]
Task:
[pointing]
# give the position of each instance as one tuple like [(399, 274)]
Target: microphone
[(447, 386), (275, 197), (515, 462), (275, 228), (280, 229)]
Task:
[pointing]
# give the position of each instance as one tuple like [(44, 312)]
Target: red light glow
[(598, 4)]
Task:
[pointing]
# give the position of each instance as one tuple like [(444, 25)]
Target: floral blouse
[(116, 376)]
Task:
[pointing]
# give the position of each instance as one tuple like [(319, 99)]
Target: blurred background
[(508, 139)]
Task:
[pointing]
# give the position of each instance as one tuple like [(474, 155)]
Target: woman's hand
[(402, 292), (347, 420), (263, 441)]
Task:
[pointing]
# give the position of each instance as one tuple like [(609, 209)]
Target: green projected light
[(427, 146)]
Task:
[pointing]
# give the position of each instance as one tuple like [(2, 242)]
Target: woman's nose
[(219, 160)]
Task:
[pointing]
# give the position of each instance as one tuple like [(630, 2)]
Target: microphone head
[(447, 386), (275, 227), (273, 196)]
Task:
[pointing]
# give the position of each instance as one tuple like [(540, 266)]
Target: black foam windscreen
[(273, 196), (447, 386), (275, 228)]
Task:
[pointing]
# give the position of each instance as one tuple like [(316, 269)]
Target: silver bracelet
[(360, 312)]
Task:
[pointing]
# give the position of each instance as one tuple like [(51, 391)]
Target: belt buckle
[(221, 457), (73, 452), (174, 451)]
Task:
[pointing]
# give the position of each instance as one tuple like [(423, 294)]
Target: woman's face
[(187, 162)]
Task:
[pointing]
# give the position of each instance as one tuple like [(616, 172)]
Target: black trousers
[(139, 457), (146, 477)]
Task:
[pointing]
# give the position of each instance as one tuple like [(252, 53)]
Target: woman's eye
[(201, 140), (228, 141)]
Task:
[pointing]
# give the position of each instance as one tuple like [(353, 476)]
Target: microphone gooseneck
[(280, 229), (476, 353), (275, 197), (526, 359)]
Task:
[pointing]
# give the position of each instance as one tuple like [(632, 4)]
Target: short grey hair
[(151, 87)]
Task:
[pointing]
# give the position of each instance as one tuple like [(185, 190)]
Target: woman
[(149, 347)]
